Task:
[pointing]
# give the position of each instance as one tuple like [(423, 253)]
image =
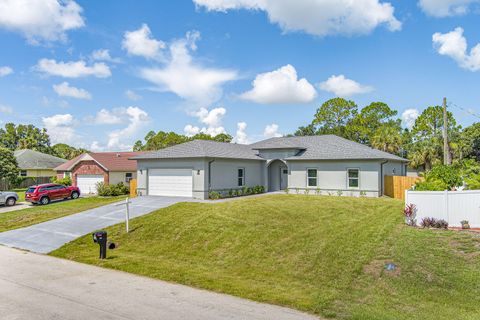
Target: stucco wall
[(198, 166), (40, 173), (332, 176), (224, 173), (119, 176), (274, 175)]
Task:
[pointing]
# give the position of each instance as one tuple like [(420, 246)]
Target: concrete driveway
[(48, 236), (17, 206), (39, 287)]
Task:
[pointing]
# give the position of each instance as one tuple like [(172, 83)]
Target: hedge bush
[(112, 190)]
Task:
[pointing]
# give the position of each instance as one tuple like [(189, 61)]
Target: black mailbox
[(100, 237)]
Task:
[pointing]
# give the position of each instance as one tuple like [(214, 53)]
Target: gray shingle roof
[(203, 149), (30, 159), (325, 147)]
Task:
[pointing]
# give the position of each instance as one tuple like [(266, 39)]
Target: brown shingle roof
[(111, 161)]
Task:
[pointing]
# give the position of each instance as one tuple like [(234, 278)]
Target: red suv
[(44, 193)]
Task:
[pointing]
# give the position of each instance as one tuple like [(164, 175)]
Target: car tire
[(10, 202), (44, 200), (74, 195)]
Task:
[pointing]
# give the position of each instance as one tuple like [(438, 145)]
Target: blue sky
[(101, 74)]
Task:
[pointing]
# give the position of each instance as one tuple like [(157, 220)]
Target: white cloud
[(271, 131), (409, 116), (211, 118), (96, 147), (141, 43), (280, 86), (105, 116), (60, 128), (132, 95), (5, 71), (187, 78), (241, 135), (41, 20), (65, 90), (103, 55), (118, 139), (72, 69), (454, 45), (6, 109), (343, 87), (445, 8), (317, 17)]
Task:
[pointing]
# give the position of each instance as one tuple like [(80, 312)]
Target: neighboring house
[(326, 164), (37, 164), (88, 169)]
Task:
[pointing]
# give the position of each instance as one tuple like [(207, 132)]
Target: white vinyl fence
[(451, 206)]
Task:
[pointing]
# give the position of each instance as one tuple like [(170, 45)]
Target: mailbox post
[(100, 237)]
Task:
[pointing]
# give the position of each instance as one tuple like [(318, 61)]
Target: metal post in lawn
[(127, 213)]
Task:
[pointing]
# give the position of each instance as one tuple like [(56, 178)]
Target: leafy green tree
[(471, 141), (24, 137), (426, 153), (308, 130), (334, 115), (65, 151), (430, 123), (160, 140), (369, 121), (440, 178), (8, 165)]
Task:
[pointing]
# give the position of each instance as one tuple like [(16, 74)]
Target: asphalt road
[(39, 287)]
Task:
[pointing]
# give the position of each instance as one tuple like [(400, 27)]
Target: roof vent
[(118, 155)]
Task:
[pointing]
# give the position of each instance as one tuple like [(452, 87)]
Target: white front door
[(87, 183), (170, 182)]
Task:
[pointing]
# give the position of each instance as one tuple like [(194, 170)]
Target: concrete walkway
[(48, 236), (38, 287), (16, 207)]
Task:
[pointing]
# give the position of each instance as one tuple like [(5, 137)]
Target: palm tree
[(387, 138), (426, 153)]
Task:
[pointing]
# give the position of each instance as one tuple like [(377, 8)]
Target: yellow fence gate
[(133, 188), (395, 186)]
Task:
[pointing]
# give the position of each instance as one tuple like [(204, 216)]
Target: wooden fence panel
[(27, 182), (395, 186), (133, 188)]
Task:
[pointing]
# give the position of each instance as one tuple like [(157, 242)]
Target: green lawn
[(26, 217), (323, 255), (21, 194)]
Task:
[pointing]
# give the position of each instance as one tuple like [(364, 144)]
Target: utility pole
[(446, 149)]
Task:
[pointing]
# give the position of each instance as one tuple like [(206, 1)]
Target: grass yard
[(27, 217), (21, 194), (323, 255)]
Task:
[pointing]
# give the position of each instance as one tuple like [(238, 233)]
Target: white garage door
[(87, 183), (170, 182)]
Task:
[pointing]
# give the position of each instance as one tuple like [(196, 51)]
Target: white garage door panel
[(87, 183), (170, 182)]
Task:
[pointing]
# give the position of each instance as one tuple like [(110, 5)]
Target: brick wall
[(88, 167)]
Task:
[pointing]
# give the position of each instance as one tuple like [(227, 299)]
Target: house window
[(312, 177), (128, 176), (353, 178), (241, 177), (23, 173), (67, 174)]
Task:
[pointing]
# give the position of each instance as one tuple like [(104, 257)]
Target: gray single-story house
[(324, 164)]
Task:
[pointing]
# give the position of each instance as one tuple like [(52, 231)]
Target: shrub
[(441, 224), (231, 193), (363, 194), (410, 213), (214, 195), (258, 189), (339, 193), (465, 224), (287, 191), (428, 222), (67, 181), (318, 191), (473, 182), (307, 191), (440, 178), (111, 190)]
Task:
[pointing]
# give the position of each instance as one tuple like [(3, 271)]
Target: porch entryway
[(277, 175)]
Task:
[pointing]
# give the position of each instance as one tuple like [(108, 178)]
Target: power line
[(469, 111)]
